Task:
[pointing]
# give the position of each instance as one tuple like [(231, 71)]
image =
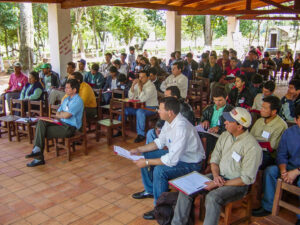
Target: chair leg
[(227, 216), (9, 131), (97, 132), (249, 209), (68, 149), (55, 142), (85, 146), (109, 136), (17, 132), (123, 132)]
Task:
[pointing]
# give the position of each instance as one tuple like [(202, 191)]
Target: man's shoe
[(118, 134), (260, 212), (32, 155), (139, 138), (149, 215), (298, 222), (142, 195), (36, 162)]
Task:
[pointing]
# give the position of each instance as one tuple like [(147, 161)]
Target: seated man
[(17, 81), (190, 66), (48, 78), (87, 95), (290, 101), (230, 73), (176, 79), (94, 78), (268, 90), (185, 109), (256, 84), (212, 119), (184, 145), (81, 67), (153, 77), (250, 65), (268, 129), (144, 90), (104, 68), (287, 168), (70, 115), (110, 84), (124, 66), (234, 164)]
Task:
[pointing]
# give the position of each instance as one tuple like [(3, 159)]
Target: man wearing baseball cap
[(81, 67), (234, 164), (49, 78)]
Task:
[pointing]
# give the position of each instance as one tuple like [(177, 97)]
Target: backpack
[(165, 206)]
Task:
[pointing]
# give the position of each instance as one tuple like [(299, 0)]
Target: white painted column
[(60, 42), (232, 28), (173, 33)]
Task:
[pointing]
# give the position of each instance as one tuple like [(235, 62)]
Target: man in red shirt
[(224, 62)]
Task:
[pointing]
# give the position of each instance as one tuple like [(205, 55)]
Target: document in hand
[(126, 154), (190, 183), (199, 128)]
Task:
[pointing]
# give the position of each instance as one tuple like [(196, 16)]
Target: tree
[(192, 26), (207, 31), (26, 36)]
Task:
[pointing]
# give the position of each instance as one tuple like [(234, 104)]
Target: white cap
[(239, 115)]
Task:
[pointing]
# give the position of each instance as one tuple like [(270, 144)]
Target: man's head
[(294, 87), (177, 54), (46, 68), (72, 87), (268, 88), (113, 71), (123, 57), (154, 61), (219, 97), (233, 62), (131, 49), (152, 73), (108, 57), (172, 91), (278, 53), (237, 120), (270, 107), (177, 67), (122, 78), (117, 63), (257, 80), (252, 55), (225, 54), (232, 53), (172, 55), (266, 55), (71, 67), (95, 68), (189, 57), (17, 68), (213, 59), (169, 108), (297, 115), (81, 64), (77, 76), (143, 76), (204, 57)]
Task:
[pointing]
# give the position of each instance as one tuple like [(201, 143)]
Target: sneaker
[(149, 215), (36, 162)]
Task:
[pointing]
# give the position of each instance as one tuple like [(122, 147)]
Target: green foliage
[(247, 27), (157, 20), (192, 26), (219, 26)]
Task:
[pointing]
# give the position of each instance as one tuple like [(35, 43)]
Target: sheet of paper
[(199, 128), (190, 183), (126, 154), (26, 120)]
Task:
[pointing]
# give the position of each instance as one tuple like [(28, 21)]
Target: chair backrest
[(195, 88), (116, 93), (35, 108), (2, 105), (52, 109), (206, 85), (98, 92), (278, 202), (117, 108), (17, 107)]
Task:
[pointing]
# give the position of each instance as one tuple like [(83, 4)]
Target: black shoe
[(298, 222), (149, 215), (36, 162), (139, 138), (142, 195), (118, 134), (32, 155), (260, 212)]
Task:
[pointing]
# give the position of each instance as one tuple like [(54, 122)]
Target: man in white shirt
[(124, 65), (184, 156), (176, 79), (104, 68), (144, 90)]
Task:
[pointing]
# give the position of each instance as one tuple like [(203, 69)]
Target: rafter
[(34, 1), (235, 12), (275, 4), (215, 4), (153, 6), (268, 18), (248, 4), (188, 2)]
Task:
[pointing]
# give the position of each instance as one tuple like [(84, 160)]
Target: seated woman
[(240, 95), (110, 84)]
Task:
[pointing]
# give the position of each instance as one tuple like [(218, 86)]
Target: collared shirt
[(34, 96), (180, 81), (104, 69), (124, 69), (270, 132), (47, 82), (182, 140), (17, 82), (75, 107), (289, 147), (147, 95), (215, 120), (96, 81), (246, 151)]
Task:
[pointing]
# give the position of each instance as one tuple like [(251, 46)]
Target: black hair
[(175, 92), (243, 78), (270, 85), (131, 48), (297, 112), (173, 54), (219, 92), (78, 76), (153, 70), (113, 69), (95, 67), (124, 54), (122, 77), (266, 54), (189, 55), (74, 84), (109, 54), (274, 101), (118, 62), (253, 51), (234, 52), (73, 65), (179, 65), (295, 83), (204, 56), (234, 59), (35, 75), (225, 51), (257, 79), (144, 71), (213, 55), (171, 104)]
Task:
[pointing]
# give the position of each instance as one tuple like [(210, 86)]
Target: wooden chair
[(206, 90), (35, 108), (93, 121), (117, 108), (278, 202), (195, 94), (52, 109), (8, 126), (3, 111), (70, 141), (116, 93)]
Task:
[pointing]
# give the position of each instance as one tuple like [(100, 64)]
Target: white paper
[(236, 156), (126, 154), (199, 128), (26, 120), (190, 183)]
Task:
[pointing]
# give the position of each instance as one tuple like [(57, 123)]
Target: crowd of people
[(255, 129)]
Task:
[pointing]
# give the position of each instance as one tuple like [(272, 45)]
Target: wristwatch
[(147, 162)]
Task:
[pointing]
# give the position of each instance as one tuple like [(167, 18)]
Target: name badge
[(241, 100), (265, 134), (49, 84), (236, 156), (19, 84), (67, 108)]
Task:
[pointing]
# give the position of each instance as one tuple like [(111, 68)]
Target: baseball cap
[(239, 115), (82, 61), (17, 64), (46, 66)]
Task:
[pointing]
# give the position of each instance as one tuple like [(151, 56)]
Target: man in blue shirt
[(250, 65), (288, 167), (70, 117)]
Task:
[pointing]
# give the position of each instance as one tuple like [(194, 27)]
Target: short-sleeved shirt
[(47, 82), (215, 120), (17, 82), (75, 107)]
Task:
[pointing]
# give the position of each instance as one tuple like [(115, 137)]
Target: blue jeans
[(140, 117), (270, 180), (106, 97)]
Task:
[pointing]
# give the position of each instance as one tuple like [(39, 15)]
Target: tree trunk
[(266, 37), (94, 30), (296, 39), (26, 36), (207, 32), (6, 42), (258, 33)]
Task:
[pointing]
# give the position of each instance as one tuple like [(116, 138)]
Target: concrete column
[(60, 42), (232, 28), (173, 33)]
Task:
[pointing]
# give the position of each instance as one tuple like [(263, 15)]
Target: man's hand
[(135, 151), (135, 82), (291, 176), (141, 163), (214, 130), (205, 124), (219, 181), (210, 185)]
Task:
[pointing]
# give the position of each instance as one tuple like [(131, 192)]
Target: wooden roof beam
[(268, 18), (153, 6), (188, 2), (215, 4), (236, 12), (248, 5), (33, 1), (279, 6), (296, 4)]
